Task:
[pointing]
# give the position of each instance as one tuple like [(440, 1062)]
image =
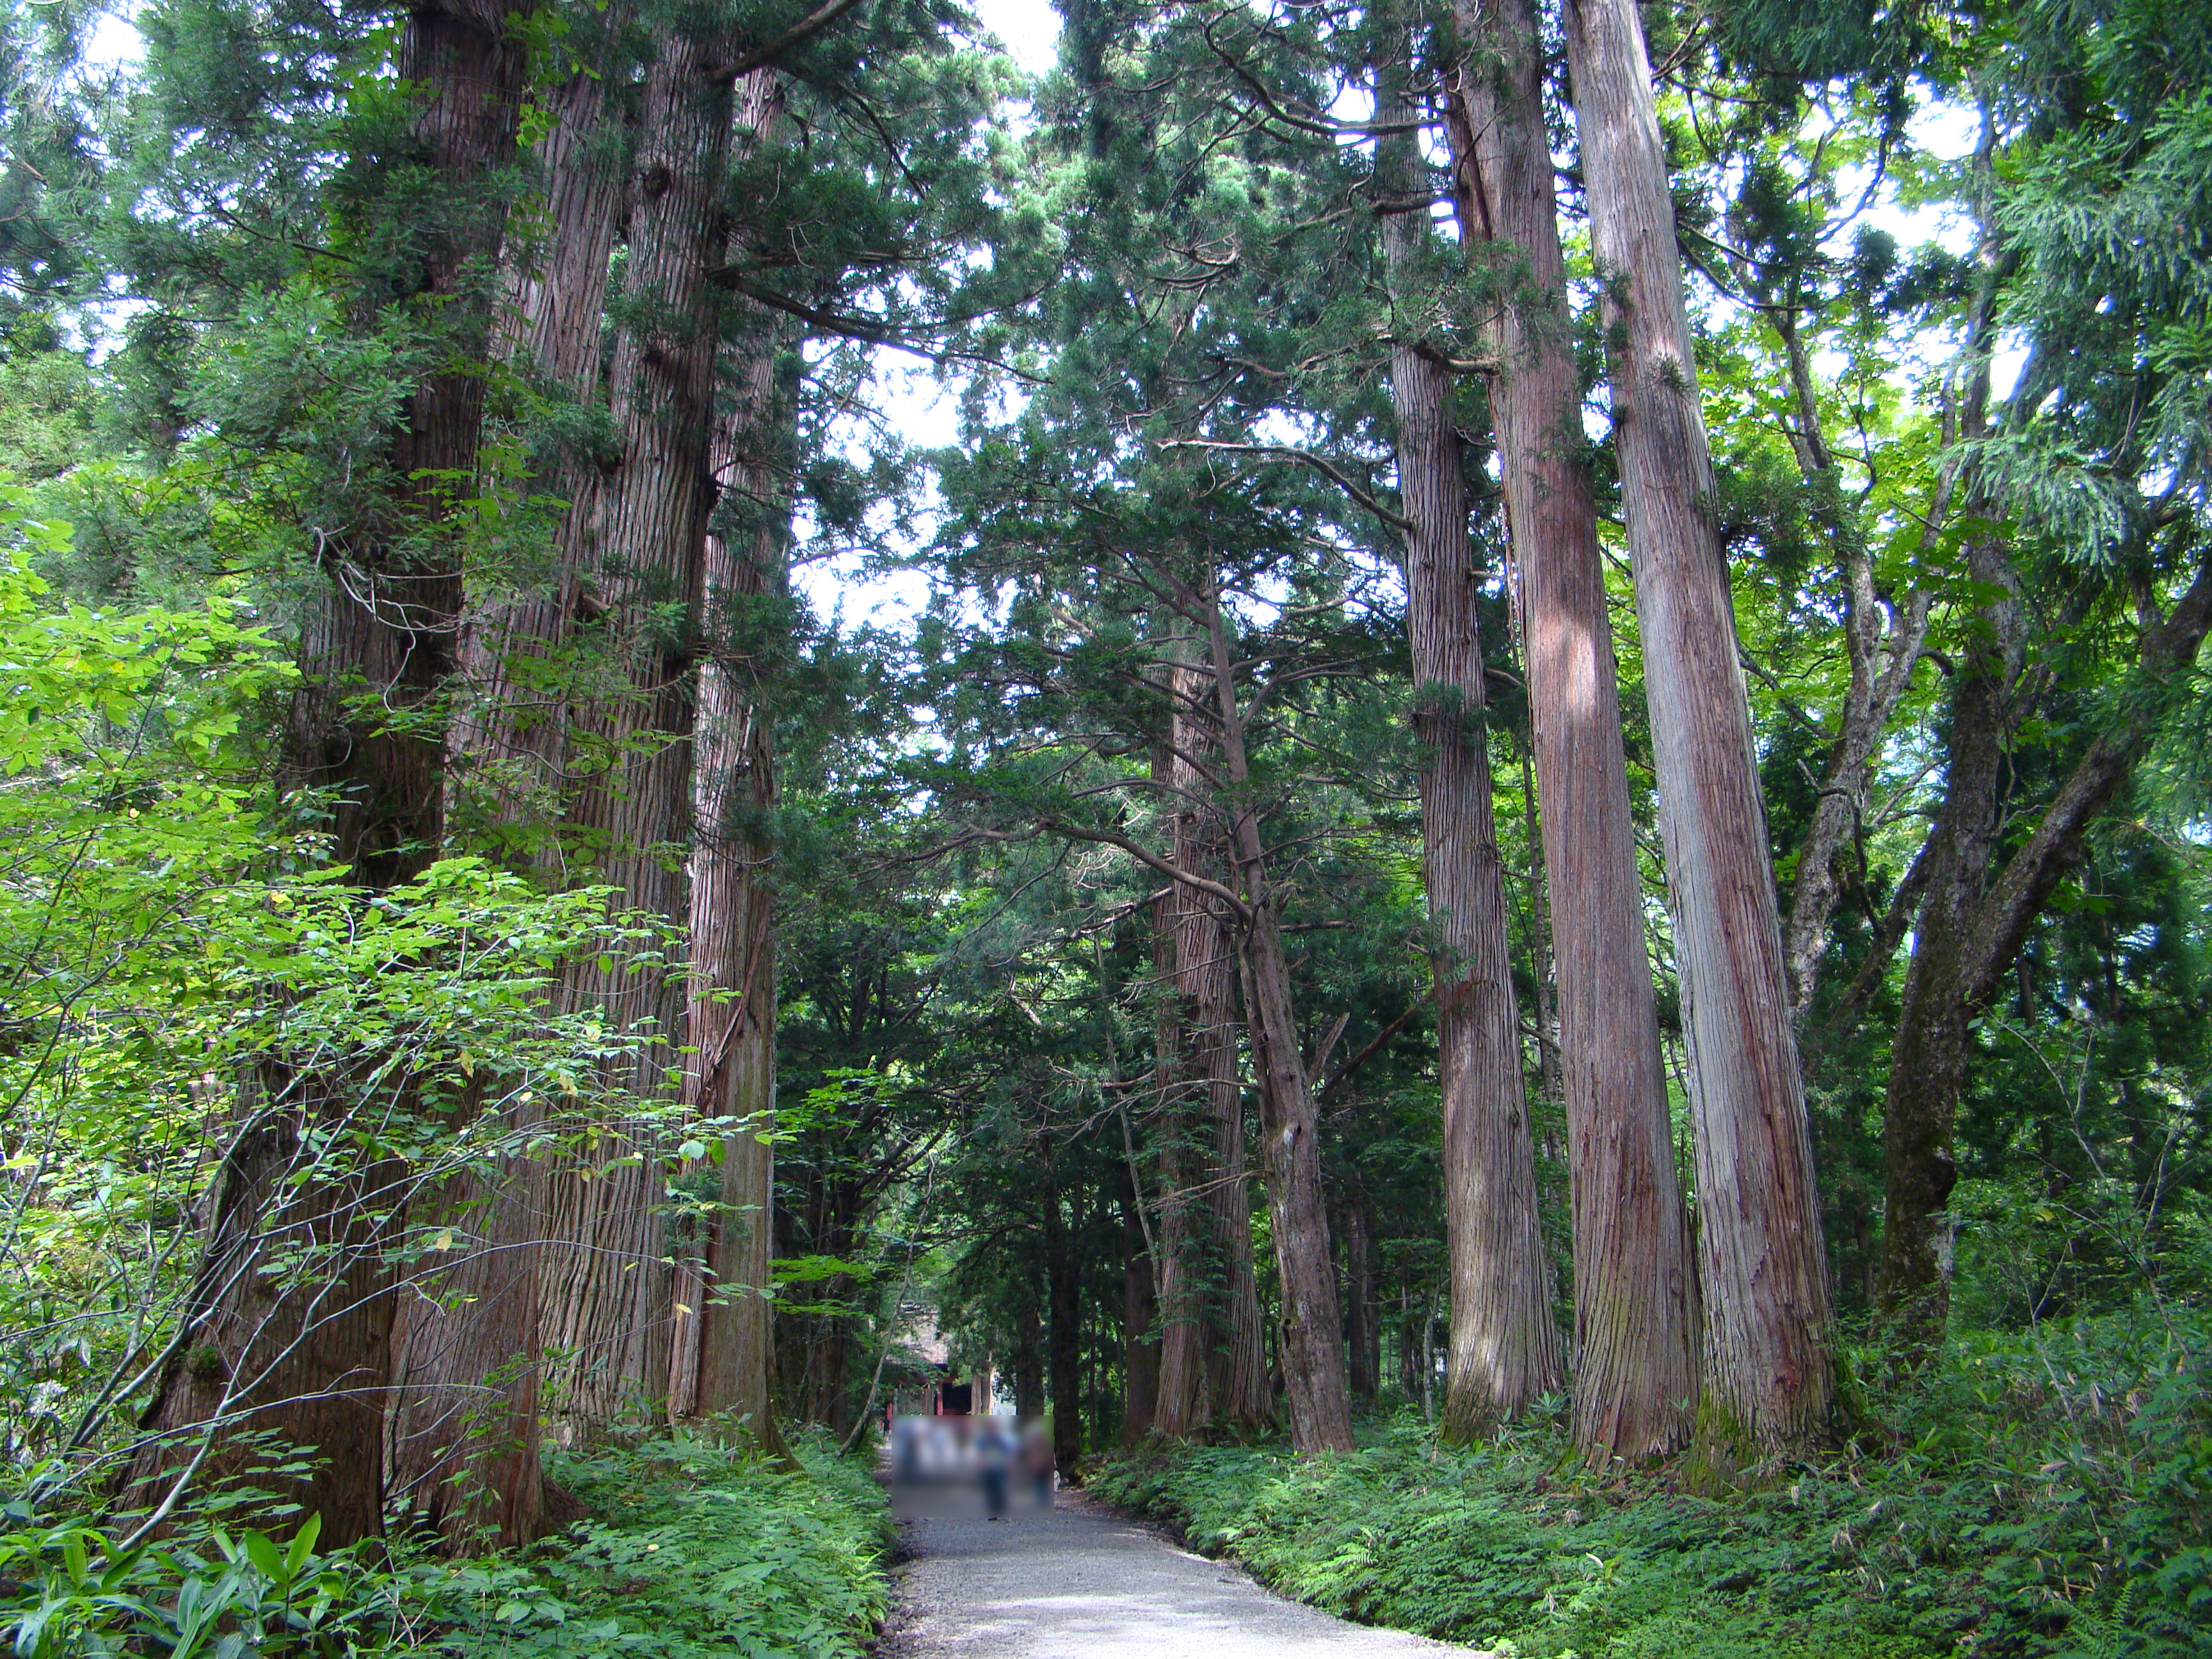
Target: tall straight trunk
[(1505, 1348), (723, 1344), (264, 1349), (1363, 1312), (1769, 1374), (608, 1295), (1183, 1400), (1927, 1060), (1063, 1336), (1290, 1138), (506, 750), (1636, 1375), (1540, 939), (1206, 972), (462, 1441), (1140, 1348)]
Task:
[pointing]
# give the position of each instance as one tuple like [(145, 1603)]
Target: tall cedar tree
[(1769, 1374), (1504, 1350), (1636, 1296)]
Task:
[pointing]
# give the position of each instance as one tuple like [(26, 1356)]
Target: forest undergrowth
[(2045, 1494), (682, 1549)]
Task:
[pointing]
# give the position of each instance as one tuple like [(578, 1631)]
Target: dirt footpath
[(1079, 1582)]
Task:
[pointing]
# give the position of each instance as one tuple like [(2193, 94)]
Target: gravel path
[(1077, 1581)]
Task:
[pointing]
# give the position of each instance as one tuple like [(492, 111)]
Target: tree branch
[(1395, 521), (2009, 908), (1212, 890), (769, 51)]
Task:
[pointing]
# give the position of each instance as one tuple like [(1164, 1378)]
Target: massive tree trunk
[(462, 1443), (1769, 1376), (507, 753), (608, 1301), (1635, 1376), (463, 1438), (723, 1346), (1290, 1138), (267, 1347), (1505, 1348), (1227, 1376), (1183, 1400), (1237, 1385), (1237, 1343)]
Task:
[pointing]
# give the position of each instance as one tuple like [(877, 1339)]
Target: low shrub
[(686, 1550), (2049, 1495)]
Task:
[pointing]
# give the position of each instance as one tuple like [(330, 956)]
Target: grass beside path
[(2044, 1497)]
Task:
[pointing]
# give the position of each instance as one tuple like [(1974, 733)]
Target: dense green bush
[(2046, 1495), (686, 1550), (692, 1551)]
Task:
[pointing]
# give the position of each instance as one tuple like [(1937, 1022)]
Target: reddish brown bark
[(299, 1355), (723, 1344), (1234, 1384), (1319, 1407), (1140, 1347), (1182, 1396), (608, 1295), (1636, 1379), (1769, 1379), (1505, 1349), (462, 1444), (463, 1439)]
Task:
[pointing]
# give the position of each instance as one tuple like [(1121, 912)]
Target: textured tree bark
[(264, 1348), (1230, 1377), (461, 1450), (1927, 1058), (1769, 1376), (1237, 1385), (1635, 1375), (462, 1442), (1290, 1140), (303, 1357), (1540, 936), (608, 1295), (1237, 1346), (1063, 1336), (1505, 1349), (723, 1344), (1182, 1401), (507, 753), (1140, 1348)]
